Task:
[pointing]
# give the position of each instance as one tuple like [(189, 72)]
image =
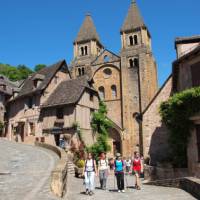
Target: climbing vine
[(176, 113), (100, 125)]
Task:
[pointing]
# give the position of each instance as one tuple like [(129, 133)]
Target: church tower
[(138, 75), (87, 47)]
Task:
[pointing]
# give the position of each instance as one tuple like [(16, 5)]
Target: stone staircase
[(71, 166)]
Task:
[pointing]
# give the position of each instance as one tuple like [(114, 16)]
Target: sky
[(42, 31)]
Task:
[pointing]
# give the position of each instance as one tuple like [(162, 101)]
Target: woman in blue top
[(119, 173)]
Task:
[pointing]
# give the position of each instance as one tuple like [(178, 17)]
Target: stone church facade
[(126, 82)]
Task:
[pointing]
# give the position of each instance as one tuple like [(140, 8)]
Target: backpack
[(92, 166)]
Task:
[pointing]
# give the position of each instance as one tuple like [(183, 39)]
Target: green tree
[(15, 73), (24, 71), (100, 125), (39, 67)]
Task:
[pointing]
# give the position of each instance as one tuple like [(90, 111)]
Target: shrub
[(176, 113), (80, 163)]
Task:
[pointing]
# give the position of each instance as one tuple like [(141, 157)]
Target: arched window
[(131, 40), (136, 62), (131, 63), (79, 71), (107, 73), (82, 51), (83, 71), (102, 92), (114, 91), (86, 50), (135, 39)]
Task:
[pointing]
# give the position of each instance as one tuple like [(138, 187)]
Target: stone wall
[(154, 131), (59, 174), (192, 151)]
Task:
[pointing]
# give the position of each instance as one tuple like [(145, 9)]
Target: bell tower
[(138, 73), (87, 47)]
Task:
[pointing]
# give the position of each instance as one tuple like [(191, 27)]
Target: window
[(35, 83), (79, 71), (131, 40), (131, 63), (114, 91), (102, 92), (107, 72), (195, 71), (136, 62), (86, 50), (135, 39), (106, 58), (82, 51), (30, 103), (91, 97), (83, 71), (32, 128), (198, 140), (59, 113)]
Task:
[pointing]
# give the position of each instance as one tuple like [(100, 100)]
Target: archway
[(115, 142)]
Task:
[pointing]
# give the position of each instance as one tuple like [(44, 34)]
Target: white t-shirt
[(103, 164), (128, 163), (89, 165)]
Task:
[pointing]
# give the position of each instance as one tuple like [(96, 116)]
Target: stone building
[(24, 108), (71, 104), (50, 104), (186, 74), (7, 89), (125, 82)]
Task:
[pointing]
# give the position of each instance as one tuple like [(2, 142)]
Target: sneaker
[(123, 191), (91, 193), (119, 191), (87, 192)]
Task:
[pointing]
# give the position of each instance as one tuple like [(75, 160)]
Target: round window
[(107, 72)]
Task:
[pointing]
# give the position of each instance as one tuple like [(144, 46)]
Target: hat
[(118, 155)]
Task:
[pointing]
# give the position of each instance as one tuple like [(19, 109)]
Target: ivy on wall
[(100, 125), (176, 113)]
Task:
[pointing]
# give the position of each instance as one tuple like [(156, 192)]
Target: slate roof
[(87, 31), (133, 19), (47, 74), (68, 92), (10, 86), (192, 39)]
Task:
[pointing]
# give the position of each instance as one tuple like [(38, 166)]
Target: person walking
[(103, 170), (128, 165), (119, 172), (89, 173), (137, 169)]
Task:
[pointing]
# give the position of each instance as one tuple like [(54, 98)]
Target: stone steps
[(71, 168)]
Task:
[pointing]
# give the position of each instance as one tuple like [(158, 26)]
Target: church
[(126, 82)]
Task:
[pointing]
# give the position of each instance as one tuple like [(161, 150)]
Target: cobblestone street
[(76, 192), (25, 172)]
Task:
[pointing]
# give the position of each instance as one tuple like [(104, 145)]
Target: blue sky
[(42, 31)]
